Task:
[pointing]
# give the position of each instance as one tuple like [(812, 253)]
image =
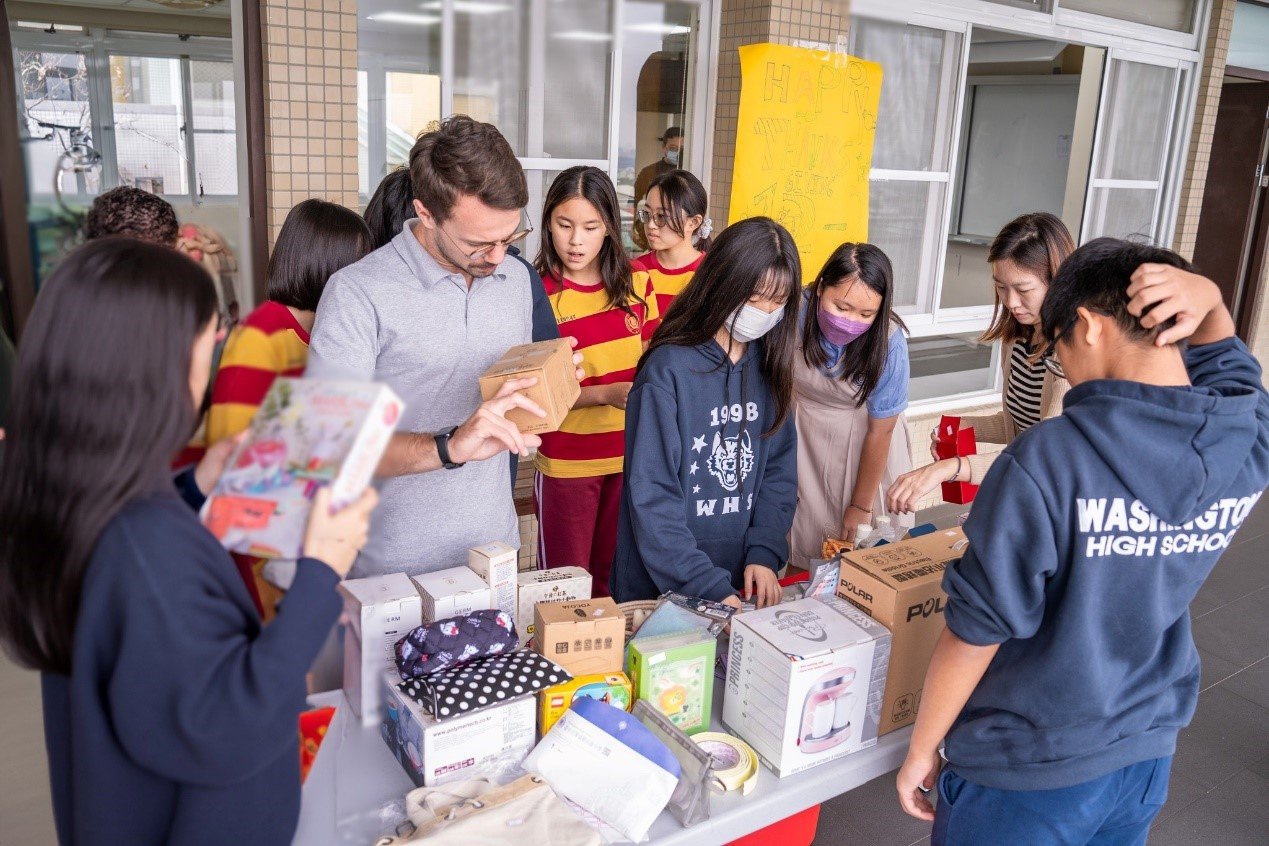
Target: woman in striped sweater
[(317, 239), (1024, 258)]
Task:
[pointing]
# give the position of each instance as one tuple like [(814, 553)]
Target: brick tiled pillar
[(756, 22), (1209, 97), (310, 73)]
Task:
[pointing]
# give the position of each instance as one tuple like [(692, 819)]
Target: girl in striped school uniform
[(675, 220), (588, 282)]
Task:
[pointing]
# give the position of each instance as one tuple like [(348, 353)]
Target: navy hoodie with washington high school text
[(1087, 542), (704, 493)]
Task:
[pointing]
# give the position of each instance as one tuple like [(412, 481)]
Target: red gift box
[(313, 725), (953, 441)]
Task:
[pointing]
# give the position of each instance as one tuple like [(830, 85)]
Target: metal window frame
[(97, 45)]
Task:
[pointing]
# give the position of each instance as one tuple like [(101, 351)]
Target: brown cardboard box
[(557, 388), (583, 636), (900, 586)]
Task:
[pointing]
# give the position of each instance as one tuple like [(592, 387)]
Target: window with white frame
[(568, 82), (1135, 98), (101, 108)]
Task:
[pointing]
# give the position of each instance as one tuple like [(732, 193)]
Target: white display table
[(355, 775)]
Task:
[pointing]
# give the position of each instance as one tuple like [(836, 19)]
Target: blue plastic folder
[(629, 731)]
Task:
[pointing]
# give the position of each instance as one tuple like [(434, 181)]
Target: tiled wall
[(310, 72), (756, 22), (1210, 81)]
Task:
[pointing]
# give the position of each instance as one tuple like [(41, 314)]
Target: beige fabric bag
[(480, 813)]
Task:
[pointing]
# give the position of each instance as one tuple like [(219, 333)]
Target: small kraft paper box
[(381, 610), (805, 680), (900, 586), (613, 688), (307, 434), (675, 674), (497, 563), (951, 441), (491, 743), (584, 636), (452, 593), (557, 388), (561, 584)]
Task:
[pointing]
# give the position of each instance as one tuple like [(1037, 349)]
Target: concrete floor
[(1219, 780), (1220, 775)]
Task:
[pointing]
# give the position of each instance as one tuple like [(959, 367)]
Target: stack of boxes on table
[(806, 681)]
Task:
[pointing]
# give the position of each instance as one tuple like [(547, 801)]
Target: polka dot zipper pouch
[(484, 683)]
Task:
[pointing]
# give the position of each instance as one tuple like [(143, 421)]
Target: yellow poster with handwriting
[(804, 141)]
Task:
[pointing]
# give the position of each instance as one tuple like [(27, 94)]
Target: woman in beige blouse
[(1024, 258)]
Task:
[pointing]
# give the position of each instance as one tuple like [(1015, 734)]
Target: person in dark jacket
[(1067, 667), (711, 450), (170, 715), (393, 204)]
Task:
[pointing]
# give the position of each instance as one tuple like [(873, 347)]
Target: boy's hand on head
[(919, 770), (1159, 292)]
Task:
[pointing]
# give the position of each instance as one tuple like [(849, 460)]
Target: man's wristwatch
[(442, 448)]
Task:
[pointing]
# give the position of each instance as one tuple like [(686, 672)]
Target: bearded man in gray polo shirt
[(427, 314)]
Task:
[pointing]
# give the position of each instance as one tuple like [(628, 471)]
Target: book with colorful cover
[(308, 433)]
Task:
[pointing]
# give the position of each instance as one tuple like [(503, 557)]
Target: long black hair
[(391, 205), (317, 239), (592, 185), (754, 256), (863, 359), (101, 403), (683, 196)]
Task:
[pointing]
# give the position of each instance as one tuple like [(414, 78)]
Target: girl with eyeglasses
[(711, 452), (1024, 258), (851, 383), (587, 279), (675, 218)]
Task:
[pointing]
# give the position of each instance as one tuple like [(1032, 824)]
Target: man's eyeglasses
[(658, 219), (1052, 365), (482, 250)]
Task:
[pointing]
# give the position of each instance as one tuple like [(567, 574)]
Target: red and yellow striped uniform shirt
[(268, 344), (660, 284), (592, 441)]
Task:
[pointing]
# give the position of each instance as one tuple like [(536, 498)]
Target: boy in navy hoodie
[(1067, 667)]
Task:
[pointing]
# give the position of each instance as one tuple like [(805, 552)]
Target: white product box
[(492, 742), (452, 592), (497, 564), (558, 585), (805, 681), (381, 610)]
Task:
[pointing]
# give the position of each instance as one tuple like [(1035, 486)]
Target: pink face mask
[(839, 330)]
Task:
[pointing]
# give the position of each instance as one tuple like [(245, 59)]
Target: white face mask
[(672, 157), (748, 323)]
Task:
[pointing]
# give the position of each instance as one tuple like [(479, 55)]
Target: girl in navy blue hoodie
[(170, 716), (711, 451)]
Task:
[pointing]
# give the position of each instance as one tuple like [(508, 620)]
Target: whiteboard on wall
[(1017, 152)]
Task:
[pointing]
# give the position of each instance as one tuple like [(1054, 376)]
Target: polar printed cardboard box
[(380, 610), (491, 743), (805, 681), (900, 585)]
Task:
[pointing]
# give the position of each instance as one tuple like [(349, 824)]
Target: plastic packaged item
[(675, 673)]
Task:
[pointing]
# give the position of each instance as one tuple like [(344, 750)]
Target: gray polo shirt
[(398, 317)]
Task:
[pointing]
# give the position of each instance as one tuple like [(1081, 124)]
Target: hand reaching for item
[(912, 487), (335, 537), (762, 585), (488, 432)]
